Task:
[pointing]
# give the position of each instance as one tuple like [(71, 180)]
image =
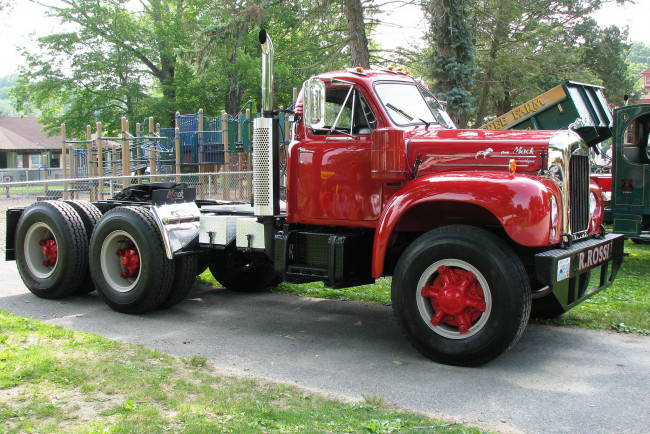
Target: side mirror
[(314, 102)]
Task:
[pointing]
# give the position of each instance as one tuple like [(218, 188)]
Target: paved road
[(554, 379)]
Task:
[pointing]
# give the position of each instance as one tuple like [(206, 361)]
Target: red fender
[(520, 203)]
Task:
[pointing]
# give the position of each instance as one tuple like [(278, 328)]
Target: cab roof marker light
[(357, 70)]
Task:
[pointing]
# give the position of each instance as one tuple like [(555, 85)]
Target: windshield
[(409, 104)]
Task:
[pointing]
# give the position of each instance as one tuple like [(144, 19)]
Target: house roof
[(26, 134), (647, 71)]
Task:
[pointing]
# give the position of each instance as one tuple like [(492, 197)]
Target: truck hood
[(442, 150)]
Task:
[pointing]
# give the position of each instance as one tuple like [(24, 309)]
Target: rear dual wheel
[(461, 295), (51, 249), (128, 262), (90, 216)]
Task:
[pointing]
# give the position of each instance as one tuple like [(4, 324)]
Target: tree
[(358, 40), (605, 53), (451, 57), (516, 40), (113, 62), (307, 36), (639, 53)]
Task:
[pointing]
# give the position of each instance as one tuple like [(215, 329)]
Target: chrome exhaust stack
[(266, 144), (267, 73)]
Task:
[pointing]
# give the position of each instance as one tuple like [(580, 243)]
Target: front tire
[(461, 295), (127, 261), (243, 272)]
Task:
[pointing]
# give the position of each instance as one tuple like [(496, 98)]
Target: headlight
[(592, 203)]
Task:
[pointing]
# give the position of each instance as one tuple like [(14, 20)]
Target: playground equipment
[(197, 144)]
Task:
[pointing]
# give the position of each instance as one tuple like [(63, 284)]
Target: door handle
[(306, 150)]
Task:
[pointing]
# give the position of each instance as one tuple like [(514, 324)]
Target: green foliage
[(604, 53), (527, 47), (639, 53), (6, 103), (151, 58), (197, 361), (110, 67), (227, 50)]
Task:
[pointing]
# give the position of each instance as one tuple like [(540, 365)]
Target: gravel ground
[(6, 203)]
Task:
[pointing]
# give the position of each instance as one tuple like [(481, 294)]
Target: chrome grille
[(579, 193)]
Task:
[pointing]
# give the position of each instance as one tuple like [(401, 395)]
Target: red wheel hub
[(130, 262), (456, 297), (50, 251)]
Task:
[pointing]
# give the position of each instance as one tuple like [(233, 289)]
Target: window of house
[(35, 161)]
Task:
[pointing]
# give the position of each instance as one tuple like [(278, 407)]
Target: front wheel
[(243, 272), (461, 295)]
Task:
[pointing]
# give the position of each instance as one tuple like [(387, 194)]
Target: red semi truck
[(476, 227)]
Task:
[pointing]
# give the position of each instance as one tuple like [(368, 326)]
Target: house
[(23, 143), (645, 93)]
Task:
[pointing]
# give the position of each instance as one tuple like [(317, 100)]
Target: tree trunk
[(359, 54), (235, 91), (500, 34)]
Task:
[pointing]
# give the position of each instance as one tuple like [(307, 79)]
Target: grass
[(54, 380), (32, 190), (623, 307)]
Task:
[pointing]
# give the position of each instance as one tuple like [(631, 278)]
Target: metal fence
[(227, 186)]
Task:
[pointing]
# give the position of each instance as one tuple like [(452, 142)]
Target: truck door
[(630, 171), (333, 180)]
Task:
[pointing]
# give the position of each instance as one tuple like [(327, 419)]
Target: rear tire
[(51, 247), (90, 215), (243, 272), (184, 278), (127, 261), (461, 295)]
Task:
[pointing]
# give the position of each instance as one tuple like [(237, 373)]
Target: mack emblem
[(522, 151), (175, 194)]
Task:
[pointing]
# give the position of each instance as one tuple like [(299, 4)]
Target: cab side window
[(636, 140), (332, 110), (347, 112)]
